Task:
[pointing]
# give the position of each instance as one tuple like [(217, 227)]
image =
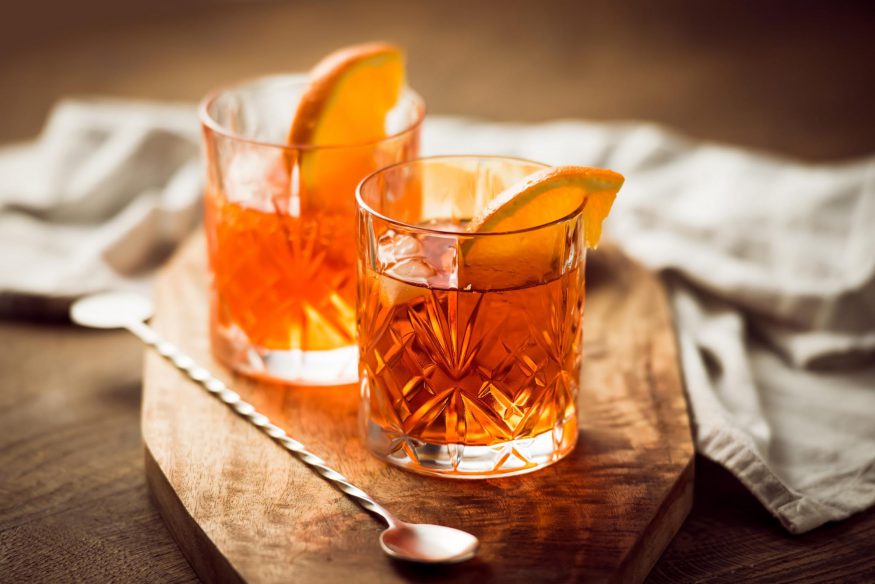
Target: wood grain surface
[(605, 513), (788, 76)]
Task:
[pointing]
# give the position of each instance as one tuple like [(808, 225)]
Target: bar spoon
[(421, 543)]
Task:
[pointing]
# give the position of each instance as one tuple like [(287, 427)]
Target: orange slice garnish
[(551, 194), (345, 107), (542, 198), (349, 94)]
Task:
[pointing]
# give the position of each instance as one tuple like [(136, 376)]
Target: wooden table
[(73, 497)]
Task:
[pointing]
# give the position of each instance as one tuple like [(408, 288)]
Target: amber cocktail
[(470, 343), (280, 223)]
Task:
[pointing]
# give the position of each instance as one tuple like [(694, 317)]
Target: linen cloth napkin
[(770, 267), (97, 200)]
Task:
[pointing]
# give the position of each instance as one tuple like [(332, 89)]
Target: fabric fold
[(98, 199)]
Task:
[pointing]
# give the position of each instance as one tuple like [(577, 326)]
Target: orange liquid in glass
[(287, 282), (283, 267), (469, 366)]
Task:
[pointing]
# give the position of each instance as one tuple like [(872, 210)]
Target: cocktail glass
[(280, 224), (470, 343)]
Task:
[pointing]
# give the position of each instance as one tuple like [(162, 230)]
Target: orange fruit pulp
[(530, 212)]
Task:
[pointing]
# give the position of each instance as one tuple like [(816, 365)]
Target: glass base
[(295, 367), (459, 461)]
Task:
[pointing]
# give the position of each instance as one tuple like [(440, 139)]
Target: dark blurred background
[(797, 77)]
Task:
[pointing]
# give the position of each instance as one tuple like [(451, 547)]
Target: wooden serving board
[(240, 507)]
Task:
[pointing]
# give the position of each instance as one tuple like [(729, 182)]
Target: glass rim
[(362, 205), (208, 121)]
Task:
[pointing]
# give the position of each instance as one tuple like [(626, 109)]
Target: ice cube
[(255, 177), (402, 282), (413, 270), (393, 247), (450, 266), (407, 246), (386, 248)]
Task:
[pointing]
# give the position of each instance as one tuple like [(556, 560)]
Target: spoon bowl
[(428, 544), (111, 310)]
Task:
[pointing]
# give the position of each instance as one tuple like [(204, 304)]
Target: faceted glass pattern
[(280, 223), (459, 376)]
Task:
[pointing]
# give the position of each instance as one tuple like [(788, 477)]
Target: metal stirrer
[(414, 542)]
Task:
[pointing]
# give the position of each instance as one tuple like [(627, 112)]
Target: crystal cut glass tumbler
[(280, 221), (470, 344)]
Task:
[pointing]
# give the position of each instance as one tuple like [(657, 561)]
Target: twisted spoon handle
[(247, 411)]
